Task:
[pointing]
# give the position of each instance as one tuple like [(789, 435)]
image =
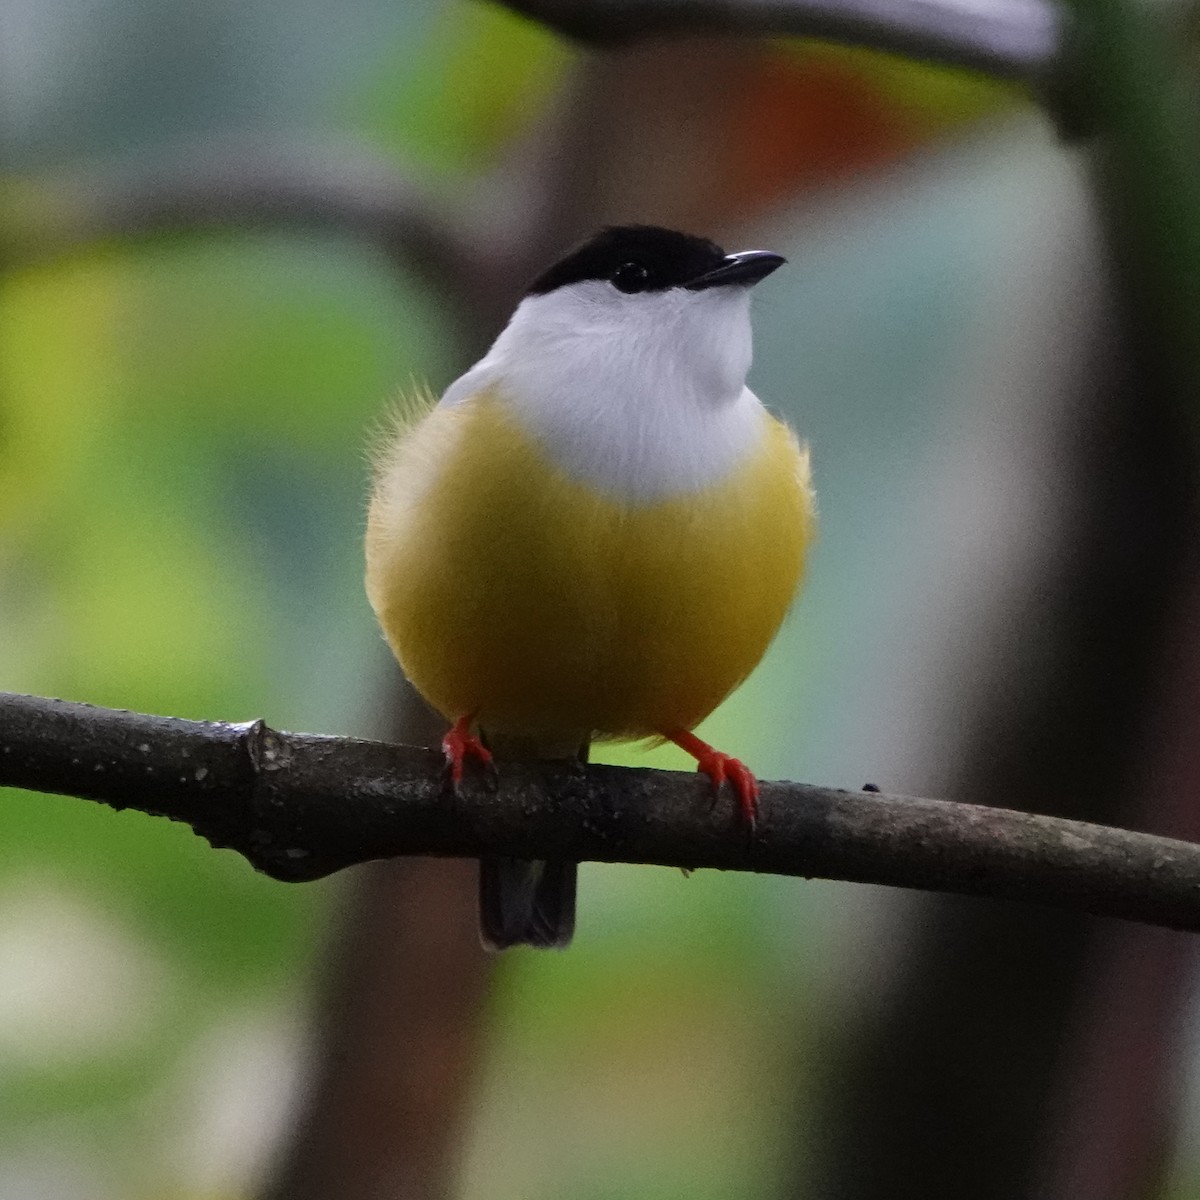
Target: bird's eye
[(631, 277)]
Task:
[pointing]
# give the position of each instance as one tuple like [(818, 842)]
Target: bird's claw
[(458, 745), (720, 768)]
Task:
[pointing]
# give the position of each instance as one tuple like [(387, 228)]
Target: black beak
[(746, 268)]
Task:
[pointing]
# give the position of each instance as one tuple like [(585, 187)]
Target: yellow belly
[(510, 591)]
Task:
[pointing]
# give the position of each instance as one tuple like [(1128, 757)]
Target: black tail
[(526, 903)]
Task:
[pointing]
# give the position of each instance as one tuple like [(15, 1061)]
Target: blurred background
[(229, 234)]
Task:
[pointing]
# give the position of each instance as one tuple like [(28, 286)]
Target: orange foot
[(720, 767), (459, 744)]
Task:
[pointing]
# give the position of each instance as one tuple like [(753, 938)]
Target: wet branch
[(300, 806)]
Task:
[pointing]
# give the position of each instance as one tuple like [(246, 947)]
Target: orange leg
[(720, 767), (459, 744)]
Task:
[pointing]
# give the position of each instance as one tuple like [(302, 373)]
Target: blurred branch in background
[(398, 1035), (1017, 39), (1116, 1101), (241, 184), (399, 1027), (300, 807)]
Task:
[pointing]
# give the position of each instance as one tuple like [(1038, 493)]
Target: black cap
[(646, 258)]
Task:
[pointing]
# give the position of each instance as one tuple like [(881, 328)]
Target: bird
[(595, 533)]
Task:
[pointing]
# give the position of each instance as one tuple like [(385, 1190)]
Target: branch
[(238, 184), (300, 806), (1017, 39)]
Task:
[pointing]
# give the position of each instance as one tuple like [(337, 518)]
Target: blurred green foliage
[(184, 473), (472, 92)]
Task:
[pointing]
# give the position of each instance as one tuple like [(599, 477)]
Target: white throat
[(642, 396)]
